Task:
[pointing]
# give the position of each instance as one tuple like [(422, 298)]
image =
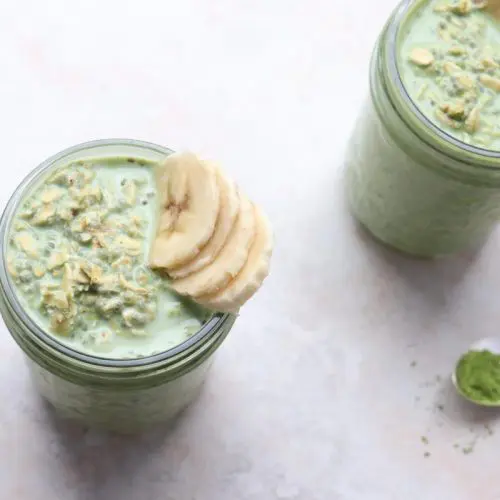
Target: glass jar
[(412, 185), (120, 395)]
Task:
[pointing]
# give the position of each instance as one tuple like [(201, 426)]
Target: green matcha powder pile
[(478, 376)]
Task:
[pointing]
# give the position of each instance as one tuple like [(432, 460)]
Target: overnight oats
[(423, 163), (123, 269)]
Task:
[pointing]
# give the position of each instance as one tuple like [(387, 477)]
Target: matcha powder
[(478, 376)]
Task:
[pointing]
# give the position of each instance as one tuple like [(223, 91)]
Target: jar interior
[(100, 151), (430, 91)]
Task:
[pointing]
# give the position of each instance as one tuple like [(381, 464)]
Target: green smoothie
[(449, 61), (77, 256), (412, 178)]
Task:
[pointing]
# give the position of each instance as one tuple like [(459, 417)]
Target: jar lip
[(212, 326), (391, 46)]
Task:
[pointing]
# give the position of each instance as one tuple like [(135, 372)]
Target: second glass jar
[(413, 186)]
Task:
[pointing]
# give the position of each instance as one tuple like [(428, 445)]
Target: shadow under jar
[(123, 395), (423, 163)]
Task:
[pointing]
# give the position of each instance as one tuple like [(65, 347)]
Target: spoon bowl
[(491, 344)]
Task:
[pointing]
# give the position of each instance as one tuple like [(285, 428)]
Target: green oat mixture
[(450, 65), (77, 255)]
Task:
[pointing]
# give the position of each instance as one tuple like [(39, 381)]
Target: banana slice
[(228, 263), (189, 206), (250, 279), (229, 206)]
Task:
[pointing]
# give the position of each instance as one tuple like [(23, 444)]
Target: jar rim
[(456, 146), (211, 327)]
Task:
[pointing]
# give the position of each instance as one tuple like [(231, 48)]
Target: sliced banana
[(189, 206), (254, 272), (229, 206), (231, 259)]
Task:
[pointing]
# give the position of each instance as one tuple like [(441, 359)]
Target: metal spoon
[(491, 344)]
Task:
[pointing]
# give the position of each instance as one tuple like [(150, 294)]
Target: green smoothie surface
[(77, 256), (449, 62)]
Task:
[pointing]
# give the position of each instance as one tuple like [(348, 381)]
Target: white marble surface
[(313, 396)]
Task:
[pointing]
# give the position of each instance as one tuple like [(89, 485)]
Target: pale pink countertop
[(313, 396)]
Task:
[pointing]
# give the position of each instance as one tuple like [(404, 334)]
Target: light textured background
[(313, 396)]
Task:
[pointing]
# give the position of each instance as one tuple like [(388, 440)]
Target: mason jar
[(411, 184), (123, 395)]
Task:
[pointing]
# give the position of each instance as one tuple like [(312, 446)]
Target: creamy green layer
[(77, 255), (449, 61)]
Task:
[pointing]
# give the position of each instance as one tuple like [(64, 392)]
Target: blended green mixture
[(77, 254), (478, 376), (449, 61)]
